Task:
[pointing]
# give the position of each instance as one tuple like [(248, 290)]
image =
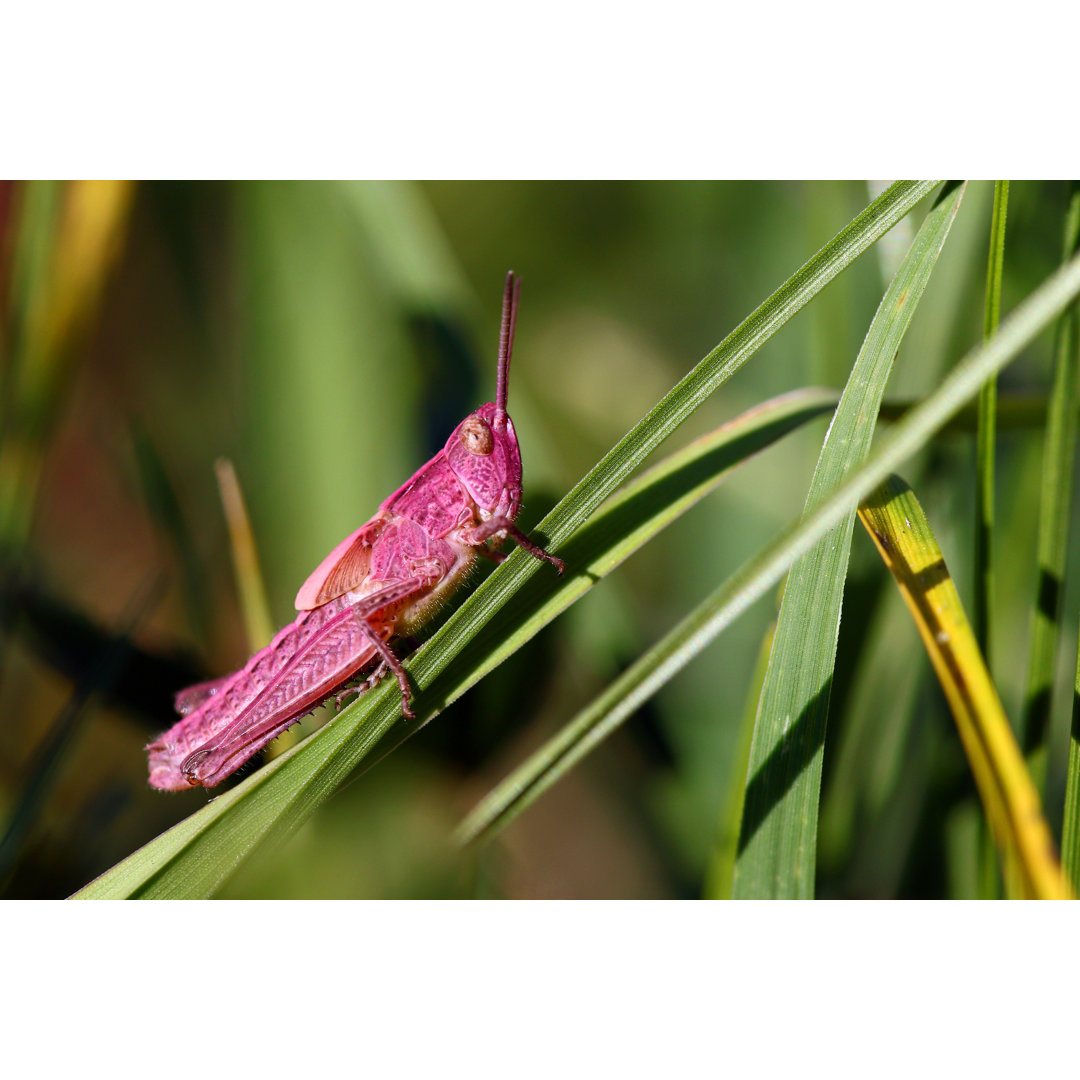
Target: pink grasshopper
[(378, 585)]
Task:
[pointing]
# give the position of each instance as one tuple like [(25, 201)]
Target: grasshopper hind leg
[(389, 662)]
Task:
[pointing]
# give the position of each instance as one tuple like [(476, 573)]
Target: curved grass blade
[(1055, 498), (179, 862), (778, 844), (896, 523), (681, 644)]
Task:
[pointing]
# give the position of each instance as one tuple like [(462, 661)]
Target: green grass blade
[(165, 511), (1015, 412), (985, 450), (1055, 501), (408, 243), (986, 437), (680, 645), (249, 578), (778, 845), (188, 859), (1070, 833), (720, 874)]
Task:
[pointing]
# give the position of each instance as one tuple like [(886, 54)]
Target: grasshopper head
[(483, 450)]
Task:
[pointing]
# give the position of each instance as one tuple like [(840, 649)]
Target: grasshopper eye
[(476, 436)]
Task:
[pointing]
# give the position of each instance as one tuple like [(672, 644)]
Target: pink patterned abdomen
[(306, 661)]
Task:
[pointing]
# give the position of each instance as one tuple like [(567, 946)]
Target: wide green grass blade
[(778, 844), (1055, 501), (680, 645), (186, 860)]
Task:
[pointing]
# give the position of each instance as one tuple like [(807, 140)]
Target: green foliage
[(777, 857), (325, 337)]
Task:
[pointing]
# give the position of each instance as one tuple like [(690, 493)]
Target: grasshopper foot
[(537, 552), (505, 525), (360, 688)]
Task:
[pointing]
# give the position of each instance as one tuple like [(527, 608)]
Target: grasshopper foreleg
[(504, 525)]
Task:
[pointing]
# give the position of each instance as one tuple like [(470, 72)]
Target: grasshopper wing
[(343, 569)]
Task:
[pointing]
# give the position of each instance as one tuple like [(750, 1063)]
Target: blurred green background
[(326, 337)]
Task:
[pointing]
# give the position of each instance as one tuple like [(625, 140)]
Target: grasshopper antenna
[(506, 345)]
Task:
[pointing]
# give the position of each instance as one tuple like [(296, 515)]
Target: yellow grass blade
[(898, 527)]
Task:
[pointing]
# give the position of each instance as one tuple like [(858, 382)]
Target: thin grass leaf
[(1015, 412), (985, 449), (254, 602), (778, 845), (1055, 501), (680, 645), (249, 579), (720, 874), (163, 504), (1070, 834), (986, 437), (624, 524), (896, 523)]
